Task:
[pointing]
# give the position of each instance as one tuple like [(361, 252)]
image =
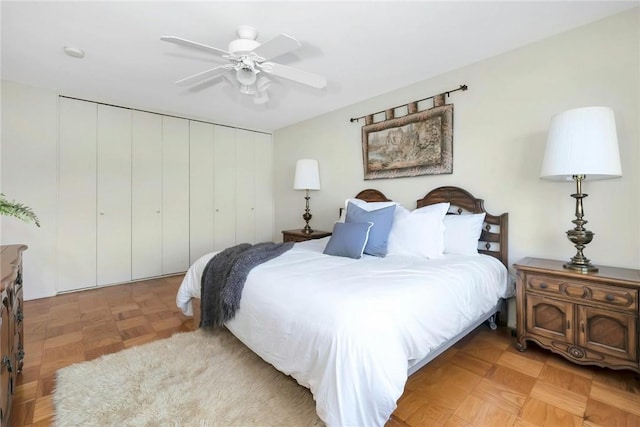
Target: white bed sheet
[(350, 329)]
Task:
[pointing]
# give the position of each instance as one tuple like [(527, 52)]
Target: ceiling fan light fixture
[(249, 64), (246, 74), (263, 83), (247, 89)]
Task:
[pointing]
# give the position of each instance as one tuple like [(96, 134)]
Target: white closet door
[(245, 187), (201, 198), (175, 195), (77, 170), (114, 195), (146, 195), (224, 160), (264, 217)]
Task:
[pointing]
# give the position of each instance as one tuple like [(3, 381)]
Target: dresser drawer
[(612, 296), (290, 238)]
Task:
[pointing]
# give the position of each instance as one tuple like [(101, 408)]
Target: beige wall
[(29, 175), (500, 127)]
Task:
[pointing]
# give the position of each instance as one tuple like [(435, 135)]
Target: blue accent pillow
[(348, 240), (382, 220)]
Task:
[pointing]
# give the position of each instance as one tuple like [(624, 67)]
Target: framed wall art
[(419, 143)]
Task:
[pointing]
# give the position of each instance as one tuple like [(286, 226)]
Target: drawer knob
[(609, 297), (543, 286)]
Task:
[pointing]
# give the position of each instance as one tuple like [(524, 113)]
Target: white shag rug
[(201, 378)]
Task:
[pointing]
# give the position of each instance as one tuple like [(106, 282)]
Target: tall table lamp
[(582, 144), (307, 178)]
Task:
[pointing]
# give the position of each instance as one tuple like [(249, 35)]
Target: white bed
[(351, 330)]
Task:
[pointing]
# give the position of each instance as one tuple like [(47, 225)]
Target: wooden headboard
[(371, 195), (495, 233)]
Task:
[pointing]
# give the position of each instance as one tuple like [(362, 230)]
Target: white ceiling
[(363, 48)]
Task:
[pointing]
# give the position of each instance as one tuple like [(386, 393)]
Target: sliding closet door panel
[(201, 198), (245, 187), (114, 195), (264, 187), (175, 195), (146, 195), (77, 170), (224, 160)]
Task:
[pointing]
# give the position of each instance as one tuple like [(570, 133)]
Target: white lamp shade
[(582, 141), (307, 175)]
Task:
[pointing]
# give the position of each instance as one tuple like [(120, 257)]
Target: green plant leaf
[(17, 210)]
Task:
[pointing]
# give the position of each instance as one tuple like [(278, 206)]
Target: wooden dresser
[(587, 318), (11, 311)]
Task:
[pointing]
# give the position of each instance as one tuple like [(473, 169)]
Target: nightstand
[(590, 319), (300, 236)]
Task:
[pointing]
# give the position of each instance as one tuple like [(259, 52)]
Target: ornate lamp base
[(589, 268), (580, 236), (583, 268), (307, 216)]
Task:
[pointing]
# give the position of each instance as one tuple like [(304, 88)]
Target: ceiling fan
[(250, 61)]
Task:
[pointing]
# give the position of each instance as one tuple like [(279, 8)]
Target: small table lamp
[(307, 178), (582, 144)]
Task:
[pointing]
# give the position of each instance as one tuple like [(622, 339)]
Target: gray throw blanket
[(224, 276)]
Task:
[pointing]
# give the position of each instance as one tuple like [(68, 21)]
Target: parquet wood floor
[(482, 381)]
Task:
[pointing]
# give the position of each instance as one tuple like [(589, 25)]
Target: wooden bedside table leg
[(521, 343)]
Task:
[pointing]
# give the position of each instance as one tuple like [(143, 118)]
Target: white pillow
[(442, 208), (367, 206), (419, 232), (461, 233)]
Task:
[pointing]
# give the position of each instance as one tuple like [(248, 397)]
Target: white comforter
[(350, 329)]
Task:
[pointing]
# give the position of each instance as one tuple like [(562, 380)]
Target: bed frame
[(493, 240)]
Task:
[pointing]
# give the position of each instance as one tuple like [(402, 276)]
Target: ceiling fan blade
[(277, 46), (195, 45), (295, 74), (208, 74)]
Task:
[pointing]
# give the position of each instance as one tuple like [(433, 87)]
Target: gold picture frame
[(420, 143)]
